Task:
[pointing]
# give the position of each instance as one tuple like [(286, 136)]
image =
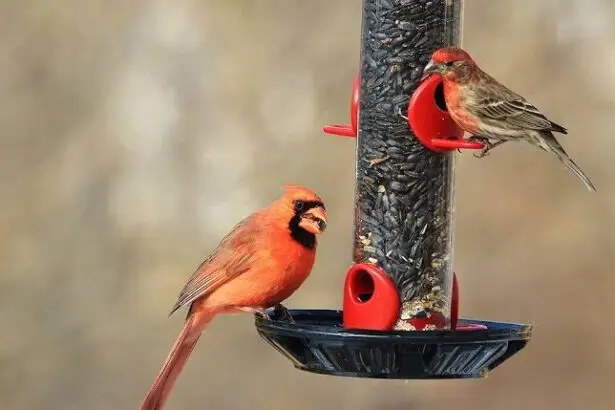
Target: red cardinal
[(265, 258), (488, 110)]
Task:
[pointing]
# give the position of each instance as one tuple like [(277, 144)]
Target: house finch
[(264, 259), (482, 106)]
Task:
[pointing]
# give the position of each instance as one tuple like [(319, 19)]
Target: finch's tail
[(550, 144), (185, 343)]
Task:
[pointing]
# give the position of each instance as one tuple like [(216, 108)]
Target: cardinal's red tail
[(185, 343)]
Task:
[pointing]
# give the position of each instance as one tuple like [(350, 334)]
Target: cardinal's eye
[(298, 205)]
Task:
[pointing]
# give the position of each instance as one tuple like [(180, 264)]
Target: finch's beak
[(429, 69), (314, 220)]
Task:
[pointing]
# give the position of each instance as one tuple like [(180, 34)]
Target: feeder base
[(317, 343)]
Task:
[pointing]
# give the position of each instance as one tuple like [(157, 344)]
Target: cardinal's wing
[(235, 254)]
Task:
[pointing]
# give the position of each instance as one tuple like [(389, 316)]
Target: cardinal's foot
[(260, 312), (281, 311)]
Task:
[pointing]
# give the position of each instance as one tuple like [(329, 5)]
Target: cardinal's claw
[(283, 313), (262, 313)]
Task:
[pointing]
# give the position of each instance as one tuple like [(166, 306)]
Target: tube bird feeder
[(400, 308)]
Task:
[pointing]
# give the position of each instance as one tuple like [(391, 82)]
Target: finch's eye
[(298, 205), (449, 63)]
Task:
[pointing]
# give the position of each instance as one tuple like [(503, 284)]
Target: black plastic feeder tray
[(317, 343)]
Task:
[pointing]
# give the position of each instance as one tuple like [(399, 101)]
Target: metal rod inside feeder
[(404, 192)]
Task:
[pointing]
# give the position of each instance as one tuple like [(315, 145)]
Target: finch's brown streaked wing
[(235, 254), (516, 113)]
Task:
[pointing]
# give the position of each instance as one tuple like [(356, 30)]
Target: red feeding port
[(348, 130), (455, 311), (371, 301), (437, 320), (430, 121), (455, 303)]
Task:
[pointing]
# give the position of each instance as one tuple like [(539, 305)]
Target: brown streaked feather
[(235, 254), (517, 114), (501, 104)]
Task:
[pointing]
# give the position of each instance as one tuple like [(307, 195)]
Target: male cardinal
[(264, 259), (482, 106)]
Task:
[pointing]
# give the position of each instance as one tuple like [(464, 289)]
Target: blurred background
[(134, 134)]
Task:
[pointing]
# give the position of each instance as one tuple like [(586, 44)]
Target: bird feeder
[(400, 298)]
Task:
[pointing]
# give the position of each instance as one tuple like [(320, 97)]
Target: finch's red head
[(304, 212), (451, 63)]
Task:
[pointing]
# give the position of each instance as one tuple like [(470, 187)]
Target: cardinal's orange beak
[(314, 220)]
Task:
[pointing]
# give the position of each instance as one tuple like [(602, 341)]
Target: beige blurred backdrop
[(134, 134)]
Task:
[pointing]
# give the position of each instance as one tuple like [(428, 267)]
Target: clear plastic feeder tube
[(404, 192)]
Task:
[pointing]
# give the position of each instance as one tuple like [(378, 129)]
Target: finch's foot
[(284, 314), (483, 152), (488, 146)]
